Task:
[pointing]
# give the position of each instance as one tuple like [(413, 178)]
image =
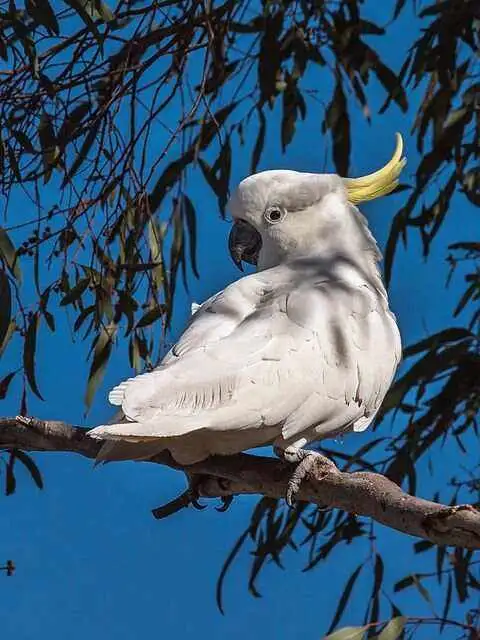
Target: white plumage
[(304, 349)]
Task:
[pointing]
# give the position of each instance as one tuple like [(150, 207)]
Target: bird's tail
[(116, 450)]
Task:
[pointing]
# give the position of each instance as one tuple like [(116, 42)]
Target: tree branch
[(362, 492)]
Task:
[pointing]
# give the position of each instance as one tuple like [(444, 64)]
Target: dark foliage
[(87, 92)]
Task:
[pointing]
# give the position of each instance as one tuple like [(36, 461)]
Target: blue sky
[(92, 561)]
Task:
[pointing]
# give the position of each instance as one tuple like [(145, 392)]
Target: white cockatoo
[(304, 349)]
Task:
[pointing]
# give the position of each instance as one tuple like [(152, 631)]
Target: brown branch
[(364, 493)]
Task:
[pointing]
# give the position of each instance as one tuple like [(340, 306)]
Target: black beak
[(244, 243)]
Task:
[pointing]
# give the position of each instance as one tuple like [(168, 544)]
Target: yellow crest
[(379, 183)]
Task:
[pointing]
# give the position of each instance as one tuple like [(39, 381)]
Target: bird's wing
[(358, 351), (264, 354)]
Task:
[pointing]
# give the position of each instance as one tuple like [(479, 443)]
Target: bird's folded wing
[(261, 357)]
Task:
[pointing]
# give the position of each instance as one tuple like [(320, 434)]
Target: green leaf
[(3, 50), (83, 316), (151, 316), (448, 600), (5, 306), (48, 143), (393, 629), (75, 292), (28, 462), (14, 163), (259, 142), (177, 252), (289, 114), (391, 83), (191, 223), (471, 185), (82, 154), (72, 120), (9, 254), (23, 140), (49, 319), (396, 229), (10, 482), (211, 127), (10, 331), (230, 558), (29, 349), (42, 13), (453, 334), (422, 589), (85, 15), (347, 633), (345, 597), (99, 10), (404, 583), (102, 349), (337, 120), (5, 383), (423, 545)]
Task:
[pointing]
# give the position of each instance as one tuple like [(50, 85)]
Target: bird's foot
[(306, 461), (192, 496), (197, 489)]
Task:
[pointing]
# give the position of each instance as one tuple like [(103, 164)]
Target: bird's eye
[(274, 215)]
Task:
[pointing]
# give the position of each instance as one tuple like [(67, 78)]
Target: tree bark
[(363, 492)]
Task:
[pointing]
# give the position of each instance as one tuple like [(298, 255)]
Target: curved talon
[(193, 499), (226, 502), (305, 461)]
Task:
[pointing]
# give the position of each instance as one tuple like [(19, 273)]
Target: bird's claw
[(195, 492), (226, 502), (306, 461)]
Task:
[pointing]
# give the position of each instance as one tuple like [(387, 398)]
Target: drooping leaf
[(82, 154), (448, 600), (396, 229), (10, 331), (9, 254), (73, 120), (29, 353), (347, 633), (393, 629), (10, 481), (48, 143), (378, 572), (399, 5), (82, 9), (259, 142), (452, 334), (191, 224), (3, 50), (342, 603), (42, 12), (336, 119), (230, 558), (269, 57), (101, 352), (30, 465), (5, 305), (5, 383), (471, 185), (23, 140), (404, 583), (75, 292), (151, 316)]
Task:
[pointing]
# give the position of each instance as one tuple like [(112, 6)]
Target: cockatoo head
[(283, 215)]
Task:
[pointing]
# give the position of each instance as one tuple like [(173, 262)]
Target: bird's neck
[(346, 251)]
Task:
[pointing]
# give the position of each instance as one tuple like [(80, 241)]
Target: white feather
[(302, 350)]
